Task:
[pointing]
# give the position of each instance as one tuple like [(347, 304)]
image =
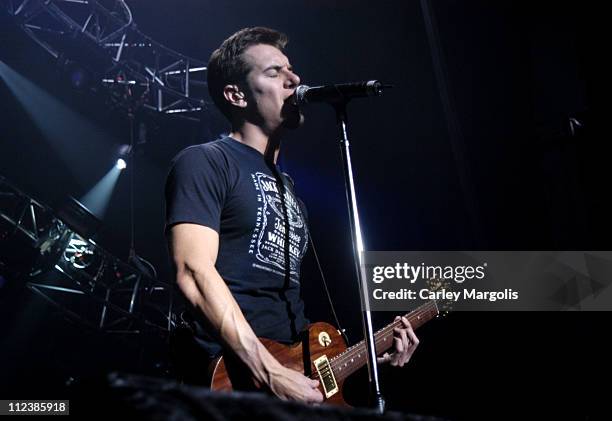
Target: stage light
[(80, 253), (99, 196), (124, 151), (121, 164)]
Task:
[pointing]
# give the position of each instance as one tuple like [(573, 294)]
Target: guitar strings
[(358, 352), (337, 362), (383, 333)]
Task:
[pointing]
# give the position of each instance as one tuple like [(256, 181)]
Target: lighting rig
[(99, 40), (51, 252)]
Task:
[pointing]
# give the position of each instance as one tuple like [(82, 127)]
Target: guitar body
[(321, 353), (320, 339)]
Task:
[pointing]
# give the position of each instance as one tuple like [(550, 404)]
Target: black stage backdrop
[(504, 174)]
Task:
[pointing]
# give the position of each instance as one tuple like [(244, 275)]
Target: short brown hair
[(226, 65)]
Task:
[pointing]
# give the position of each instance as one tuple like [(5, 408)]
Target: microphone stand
[(358, 248), (136, 261)]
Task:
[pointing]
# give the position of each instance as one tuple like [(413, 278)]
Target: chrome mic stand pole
[(358, 249)]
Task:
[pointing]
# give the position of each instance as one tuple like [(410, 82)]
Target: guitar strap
[(329, 299), (316, 256)]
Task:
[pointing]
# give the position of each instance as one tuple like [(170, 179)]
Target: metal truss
[(23, 214), (102, 36), (76, 275)]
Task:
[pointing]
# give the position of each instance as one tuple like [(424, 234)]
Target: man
[(237, 233)]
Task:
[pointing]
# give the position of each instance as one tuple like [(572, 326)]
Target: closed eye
[(273, 71)]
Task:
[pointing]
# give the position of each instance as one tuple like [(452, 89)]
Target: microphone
[(337, 93)]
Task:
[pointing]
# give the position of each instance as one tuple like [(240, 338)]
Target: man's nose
[(293, 80)]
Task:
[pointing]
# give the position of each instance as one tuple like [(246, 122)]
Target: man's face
[(270, 84)]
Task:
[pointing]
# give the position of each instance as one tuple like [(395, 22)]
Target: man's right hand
[(288, 384)]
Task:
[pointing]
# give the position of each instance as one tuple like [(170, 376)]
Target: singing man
[(237, 233)]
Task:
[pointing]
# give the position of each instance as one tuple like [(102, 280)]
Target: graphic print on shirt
[(268, 239)]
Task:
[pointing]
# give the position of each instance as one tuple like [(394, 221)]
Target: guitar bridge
[(330, 386)]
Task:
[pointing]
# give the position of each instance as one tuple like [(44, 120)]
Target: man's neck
[(255, 137)]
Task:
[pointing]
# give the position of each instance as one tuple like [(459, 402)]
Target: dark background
[(488, 163)]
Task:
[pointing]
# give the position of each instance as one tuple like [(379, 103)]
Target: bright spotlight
[(121, 164), (99, 196)]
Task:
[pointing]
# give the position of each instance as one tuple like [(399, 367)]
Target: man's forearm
[(207, 291)]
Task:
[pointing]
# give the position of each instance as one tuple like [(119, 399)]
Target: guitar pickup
[(330, 386)]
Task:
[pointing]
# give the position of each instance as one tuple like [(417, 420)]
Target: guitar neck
[(356, 356)]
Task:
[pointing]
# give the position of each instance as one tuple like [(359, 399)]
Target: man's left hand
[(405, 343)]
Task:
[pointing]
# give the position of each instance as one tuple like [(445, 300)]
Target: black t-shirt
[(227, 186)]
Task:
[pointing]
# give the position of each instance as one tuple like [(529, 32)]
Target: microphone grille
[(300, 94)]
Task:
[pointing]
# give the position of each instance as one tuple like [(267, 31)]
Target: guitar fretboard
[(346, 363)]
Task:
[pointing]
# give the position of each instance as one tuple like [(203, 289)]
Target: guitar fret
[(352, 358)]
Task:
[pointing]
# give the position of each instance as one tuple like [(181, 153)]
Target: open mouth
[(292, 113), (291, 100)]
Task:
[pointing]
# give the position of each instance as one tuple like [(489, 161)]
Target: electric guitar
[(321, 353)]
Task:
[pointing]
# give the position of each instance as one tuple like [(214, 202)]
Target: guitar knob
[(324, 339)]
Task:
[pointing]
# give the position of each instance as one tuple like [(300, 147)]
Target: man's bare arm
[(194, 251)]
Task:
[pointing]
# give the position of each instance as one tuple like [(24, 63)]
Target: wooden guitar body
[(320, 339), (321, 353)]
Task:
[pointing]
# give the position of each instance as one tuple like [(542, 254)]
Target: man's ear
[(234, 95)]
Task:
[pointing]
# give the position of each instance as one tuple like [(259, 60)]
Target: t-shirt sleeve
[(196, 188)]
